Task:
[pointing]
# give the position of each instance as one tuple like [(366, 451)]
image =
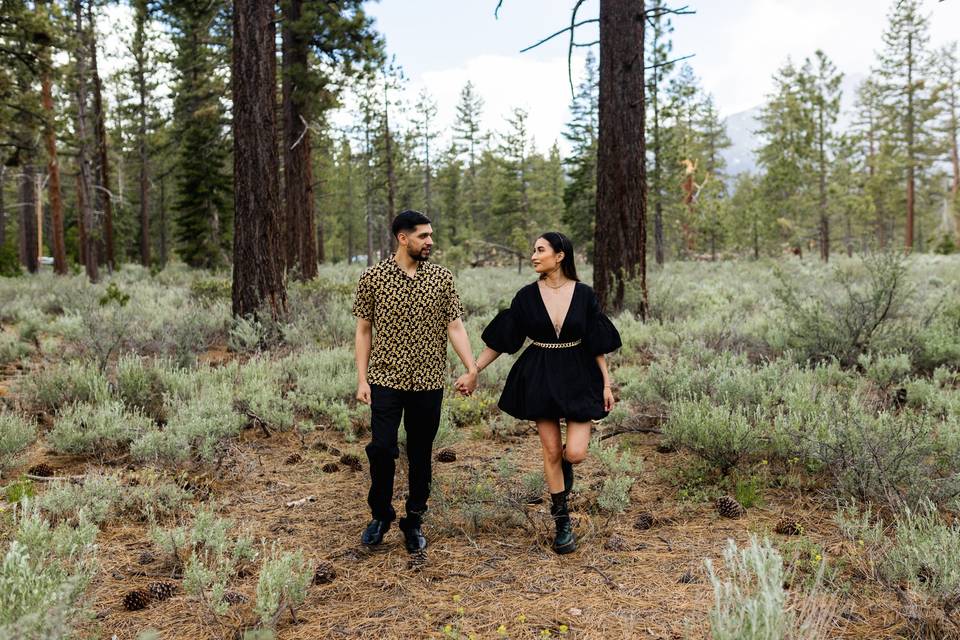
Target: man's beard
[(418, 255)]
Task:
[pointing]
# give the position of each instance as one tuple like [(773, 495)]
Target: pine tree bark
[(102, 176), (302, 237), (163, 220), (258, 280), (140, 78), (911, 159), (84, 179), (53, 171), (620, 235), (28, 217)]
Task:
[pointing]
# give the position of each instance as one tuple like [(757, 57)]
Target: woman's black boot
[(567, 468), (565, 541)]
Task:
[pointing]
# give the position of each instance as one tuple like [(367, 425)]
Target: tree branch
[(670, 62), (554, 35)]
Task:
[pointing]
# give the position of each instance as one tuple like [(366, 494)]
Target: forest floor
[(491, 577)]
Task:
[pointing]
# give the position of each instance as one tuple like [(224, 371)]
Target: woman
[(563, 374)]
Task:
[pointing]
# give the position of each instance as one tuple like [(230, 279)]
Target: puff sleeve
[(505, 334), (601, 336)]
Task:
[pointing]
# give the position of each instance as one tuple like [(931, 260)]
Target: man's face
[(417, 242)]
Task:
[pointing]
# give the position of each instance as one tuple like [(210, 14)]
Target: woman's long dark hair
[(560, 242)]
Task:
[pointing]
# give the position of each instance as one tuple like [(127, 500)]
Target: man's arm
[(362, 344), (461, 344)]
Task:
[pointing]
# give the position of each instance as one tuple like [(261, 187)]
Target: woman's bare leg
[(578, 441), (552, 448)]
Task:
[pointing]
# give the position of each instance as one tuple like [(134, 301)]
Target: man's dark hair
[(408, 221)]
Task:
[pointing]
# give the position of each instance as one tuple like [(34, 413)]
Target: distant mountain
[(741, 128)]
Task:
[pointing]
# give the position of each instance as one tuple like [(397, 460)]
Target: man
[(402, 370)]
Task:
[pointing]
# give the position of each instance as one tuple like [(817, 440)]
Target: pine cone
[(447, 455), (352, 461), (788, 527), (293, 458), (320, 445), (232, 597), (146, 557), (162, 590), (644, 521), (136, 600), (521, 495), (729, 508), (688, 578), (324, 573), (418, 560), (664, 447), (616, 543), (333, 451), (42, 470), (330, 467)]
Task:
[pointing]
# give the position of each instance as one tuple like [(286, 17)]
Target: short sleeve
[(601, 336), (363, 302), (454, 306), (504, 334)]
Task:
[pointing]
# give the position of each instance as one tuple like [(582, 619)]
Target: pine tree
[(908, 98), (620, 238), (258, 279), (713, 139), (949, 66), (824, 96), (580, 192), (511, 208), (658, 54), (468, 136), (203, 202), (424, 129)]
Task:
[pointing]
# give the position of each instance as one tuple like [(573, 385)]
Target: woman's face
[(544, 258)]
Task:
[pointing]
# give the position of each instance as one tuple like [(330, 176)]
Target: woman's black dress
[(551, 382)]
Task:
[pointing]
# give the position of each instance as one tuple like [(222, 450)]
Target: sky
[(737, 46)]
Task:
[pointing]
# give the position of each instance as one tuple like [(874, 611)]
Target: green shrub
[(722, 435), (466, 411), (282, 585), (12, 348), (43, 575), (925, 555), (103, 497), (16, 434), (850, 313), (142, 386), (197, 427), (885, 371), (97, 429), (55, 387), (751, 602), (258, 391), (621, 468)]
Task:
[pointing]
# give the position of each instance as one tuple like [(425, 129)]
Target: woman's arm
[(467, 383), (486, 358), (608, 400)]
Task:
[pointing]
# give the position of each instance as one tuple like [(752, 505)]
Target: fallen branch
[(301, 501), (30, 476), (610, 583)]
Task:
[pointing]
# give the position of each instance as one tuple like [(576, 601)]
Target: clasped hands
[(467, 383)]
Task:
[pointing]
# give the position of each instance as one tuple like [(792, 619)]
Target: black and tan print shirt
[(410, 318)]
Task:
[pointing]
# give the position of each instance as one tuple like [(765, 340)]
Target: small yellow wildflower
[(448, 628), (818, 557), (521, 618), (763, 462), (860, 542), (545, 633), (563, 629), (457, 598), (459, 611), (502, 629)]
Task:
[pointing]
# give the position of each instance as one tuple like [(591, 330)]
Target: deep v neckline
[(546, 311)]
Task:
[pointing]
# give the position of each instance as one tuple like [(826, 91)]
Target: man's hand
[(467, 383), (363, 392)]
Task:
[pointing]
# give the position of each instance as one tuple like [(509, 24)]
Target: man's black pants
[(420, 411)]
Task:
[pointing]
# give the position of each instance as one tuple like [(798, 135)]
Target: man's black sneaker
[(414, 539)]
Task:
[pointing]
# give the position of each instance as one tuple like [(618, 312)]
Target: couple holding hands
[(407, 308)]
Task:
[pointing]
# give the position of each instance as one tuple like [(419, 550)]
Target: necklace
[(555, 288)]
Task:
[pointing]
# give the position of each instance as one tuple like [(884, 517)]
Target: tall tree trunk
[(84, 180), (953, 134), (141, 82), (911, 160), (368, 194), (53, 170), (104, 195), (822, 187), (29, 249), (391, 171), (620, 235), (301, 230), (3, 207), (258, 279), (163, 220)]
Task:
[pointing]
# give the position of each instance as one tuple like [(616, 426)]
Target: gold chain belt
[(556, 345)]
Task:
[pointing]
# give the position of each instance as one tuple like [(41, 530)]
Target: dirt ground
[(498, 580)]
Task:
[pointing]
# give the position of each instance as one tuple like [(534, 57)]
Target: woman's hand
[(608, 400)]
